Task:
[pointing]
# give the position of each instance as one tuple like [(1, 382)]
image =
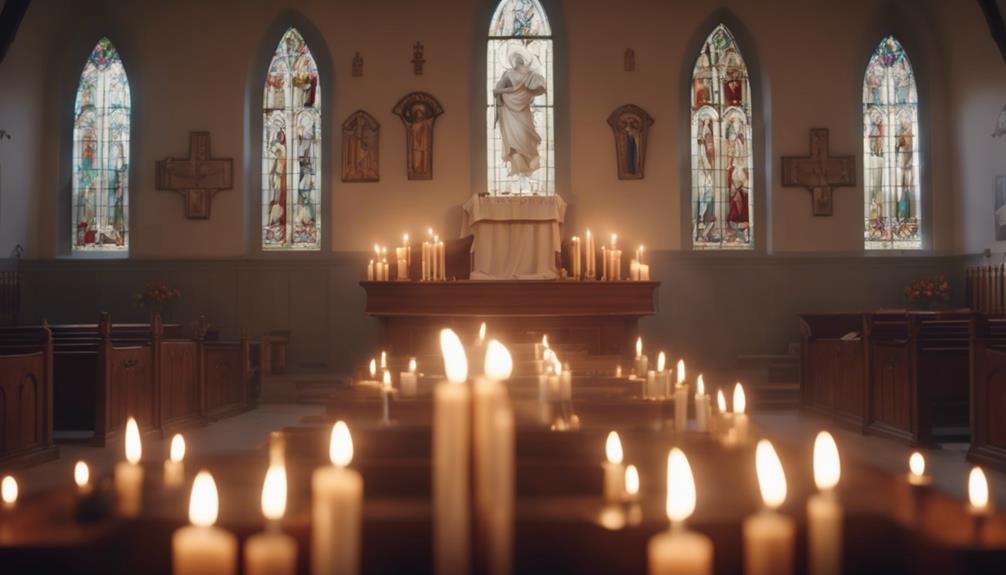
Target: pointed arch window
[(722, 161), (291, 148), (520, 124), (891, 150), (100, 186)]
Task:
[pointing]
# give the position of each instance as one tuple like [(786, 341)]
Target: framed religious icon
[(361, 138), (630, 125), (418, 111)]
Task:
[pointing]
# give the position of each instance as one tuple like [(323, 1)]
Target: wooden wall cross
[(197, 178), (820, 172)]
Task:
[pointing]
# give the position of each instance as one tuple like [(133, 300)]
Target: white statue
[(514, 93)]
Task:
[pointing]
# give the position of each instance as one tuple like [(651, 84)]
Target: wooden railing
[(986, 288)]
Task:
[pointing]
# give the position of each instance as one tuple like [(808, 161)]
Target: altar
[(516, 237)]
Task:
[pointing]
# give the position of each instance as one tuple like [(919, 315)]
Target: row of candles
[(583, 260), (434, 260)]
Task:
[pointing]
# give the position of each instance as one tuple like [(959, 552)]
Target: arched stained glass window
[(891, 150), (520, 126), (722, 167), (100, 187), (291, 149)]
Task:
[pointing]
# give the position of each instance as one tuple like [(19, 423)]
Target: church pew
[(226, 373), (917, 363), (26, 401), (833, 352), (127, 383), (988, 391)]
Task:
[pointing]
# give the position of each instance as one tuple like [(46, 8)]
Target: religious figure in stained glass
[(100, 187), (291, 142), (519, 112), (890, 149), (721, 146)]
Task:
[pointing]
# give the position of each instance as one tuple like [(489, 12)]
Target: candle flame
[(386, 380), (588, 232), (498, 364), (81, 474), (544, 341), (613, 448), (340, 446), (771, 477), (661, 361), (556, 365), (455, 361), (8, 490), (827, 465), (978, 489), (614, 240), (740, 400), (373, 368), (639, 347), (631, 480), (917, 464), (177, 448), (680, 486), (721, 401), (377, 250), (274, 493), (405, 238), (429, 232), (700, 386), (412, 365), (482, 332), (681, 371), (134, 449), (204, 504), (384, 359)]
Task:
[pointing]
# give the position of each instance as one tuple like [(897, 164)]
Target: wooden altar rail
[(902, 375), (103, 373), (986, 288), (26, 401)]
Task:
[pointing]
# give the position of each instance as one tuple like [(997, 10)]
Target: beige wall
[(191, 64)]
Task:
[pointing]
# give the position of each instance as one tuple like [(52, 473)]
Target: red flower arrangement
[(156, 296), (933, 290)]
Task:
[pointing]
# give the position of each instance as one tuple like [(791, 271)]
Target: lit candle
[(384, 360), (641, 361), (978, 492), (605, 264), (539, 348), (386, 398), (740, 418), (618, 371), (566, 383), (174, 467), (680, 399), (451, 461), (482, 333), (679, 551), (824, 513), (8, 492), (426, 269), (659, 387), (336, 505), (631, 484), (372, 369), (644, 272), (634, 270), (129, 474), (724, 420), (591, 257), (370, 271), (201, 548), (614, 472), (409, 380), (82, 477), (272, 552), (639, 254), (917, 470), (768, 535), (703, 405), (494, 468)]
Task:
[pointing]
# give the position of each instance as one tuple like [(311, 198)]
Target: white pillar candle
[(493, 439), (662, 388), (443, 261), (824, 512), (370, 271), (386, 398), (409, 380), (652, 387), (703, 405), (201, 548), (451, 457), (554, 377), (129, 474), (634, 270), (403, 269), (605, 260), (679, 551), (566, 384), (174, 466), (644, 272), (336, 509), (272, 552), (740, 416), (680, 407), (591, 263), (614, 471), (768, 535), (641, 362), (425, 275)]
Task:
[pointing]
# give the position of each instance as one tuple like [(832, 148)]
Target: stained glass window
[(100, 188), (520, 128), (891, 150), (291, 148), (722, 167)]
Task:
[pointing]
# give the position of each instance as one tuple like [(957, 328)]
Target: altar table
[(515, 237)]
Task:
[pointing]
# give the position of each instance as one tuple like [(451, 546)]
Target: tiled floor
[(249, 430)]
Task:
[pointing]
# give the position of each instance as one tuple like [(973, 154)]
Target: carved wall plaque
[(418, 111), (630, 125), (820, 173), (361, 136), (197, 178)]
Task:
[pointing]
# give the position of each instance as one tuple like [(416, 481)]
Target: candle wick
[(677, 527)]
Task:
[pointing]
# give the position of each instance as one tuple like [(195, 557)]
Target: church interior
[(503, 286)]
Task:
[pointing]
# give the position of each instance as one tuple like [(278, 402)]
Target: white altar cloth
[(516, 238)]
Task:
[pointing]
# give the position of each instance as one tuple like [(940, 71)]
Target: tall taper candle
[(201, 548), (824, 512), (768, 535), (336, 509), (679, 551), (129, 474)]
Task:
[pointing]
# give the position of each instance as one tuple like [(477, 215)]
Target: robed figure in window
[(516, 90)]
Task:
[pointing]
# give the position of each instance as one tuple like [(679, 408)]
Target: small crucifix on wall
[(820, 172), (417, 59), (197, 178)]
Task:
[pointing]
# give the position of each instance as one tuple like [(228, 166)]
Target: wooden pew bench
[(26, 398)]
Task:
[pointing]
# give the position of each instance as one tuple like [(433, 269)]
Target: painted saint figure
[(421, 139), (905, 149), (277, 183), (514, 92), (706, 209)]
